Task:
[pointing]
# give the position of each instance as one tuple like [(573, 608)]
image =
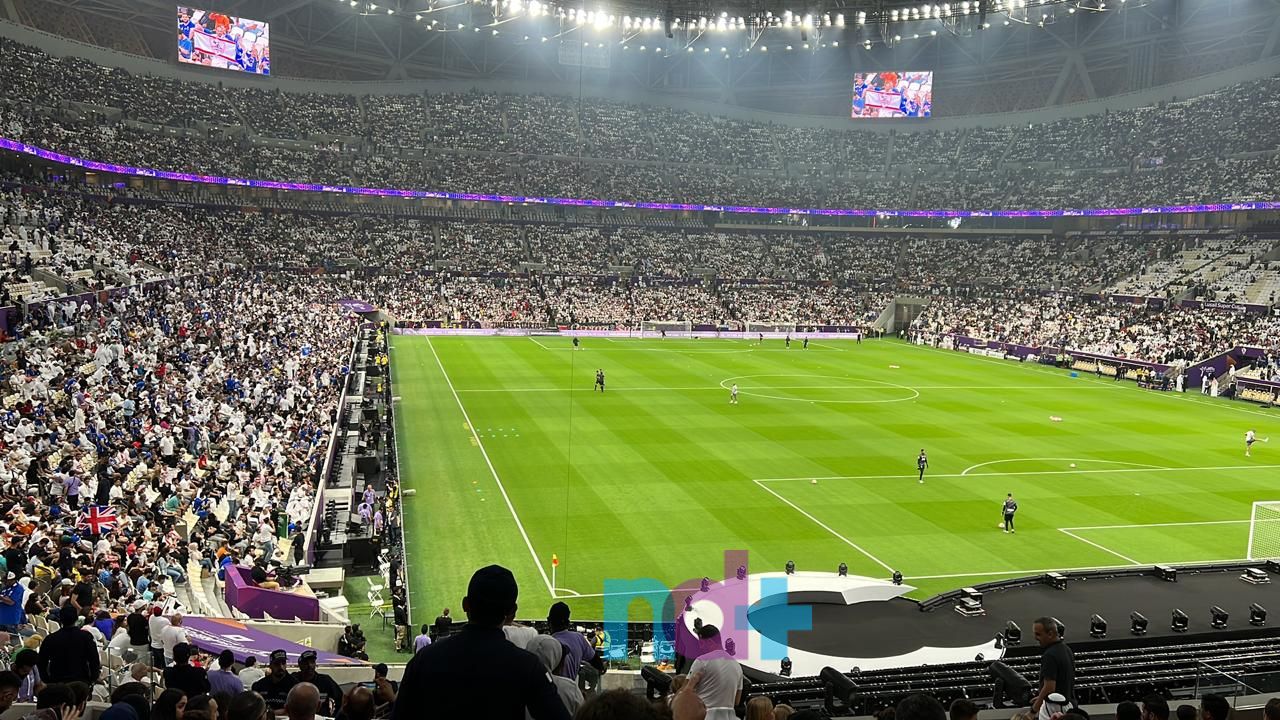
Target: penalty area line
[(1017, 474), (1166, 524), (1087, 568), (826, 527), (1101, 547), (535, 341)]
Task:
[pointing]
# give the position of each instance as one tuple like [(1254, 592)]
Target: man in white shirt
[(720, 685), (518, 635), (156, 624), (172, 635), (252, 672)]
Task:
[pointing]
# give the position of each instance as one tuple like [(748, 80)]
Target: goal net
[(1264, 531), (672, 328), (771, 327)]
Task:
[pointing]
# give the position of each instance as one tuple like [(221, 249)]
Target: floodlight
[(1137, 623), (657, 683), (1097, 626), (839, 687), (1012, 634), (1180, 621), (1218, 617), (1257, 615)]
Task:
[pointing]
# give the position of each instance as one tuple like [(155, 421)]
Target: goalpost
[(1264, 531), (779, 328), (672, 328)]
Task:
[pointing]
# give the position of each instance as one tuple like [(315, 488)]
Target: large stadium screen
[(892, 95), (223, 41)]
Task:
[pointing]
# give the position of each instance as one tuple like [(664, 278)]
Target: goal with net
[(1264, 531), (774, 328), (671, 328)]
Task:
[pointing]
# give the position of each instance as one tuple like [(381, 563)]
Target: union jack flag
[(97, 519)]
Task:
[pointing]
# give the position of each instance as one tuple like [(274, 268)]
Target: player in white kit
[(1250, 438), (733, 394)]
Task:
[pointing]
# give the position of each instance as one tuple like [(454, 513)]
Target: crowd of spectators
[(157, 433), (1140, 331), (564, 146), (538, 274)]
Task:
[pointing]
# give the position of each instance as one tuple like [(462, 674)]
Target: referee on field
[(1010, 507)]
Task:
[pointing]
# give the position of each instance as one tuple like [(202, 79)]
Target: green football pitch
[(514, 458)]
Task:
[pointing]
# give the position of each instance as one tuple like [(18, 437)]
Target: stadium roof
[(1081, 48)]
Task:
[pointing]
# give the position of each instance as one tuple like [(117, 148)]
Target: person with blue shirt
[(185, 24), (12, 599)]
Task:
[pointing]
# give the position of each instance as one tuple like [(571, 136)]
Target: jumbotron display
[(223, 41), (893, 94)]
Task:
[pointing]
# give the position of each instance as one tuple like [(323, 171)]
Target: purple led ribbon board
[(51, 156)]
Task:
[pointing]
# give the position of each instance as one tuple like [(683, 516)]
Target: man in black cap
[(275, 686), (478, 673), (330, 693), (190, 680), (69, 654), (579, 649)]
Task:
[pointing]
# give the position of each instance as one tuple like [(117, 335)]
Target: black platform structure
[(365, 456), (1179, 631)]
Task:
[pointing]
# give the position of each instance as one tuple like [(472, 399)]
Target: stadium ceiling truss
[(1074, 42)]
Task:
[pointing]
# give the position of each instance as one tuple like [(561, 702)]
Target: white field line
[(404, 537), (826, 527), (550, 590), (829, 347), (535, 341), (780, 388), (1103, 548), (640, 594), (1185, 397), (1024, 366), (1168, 524), (1018, 474), (1002, 573), (1034, 571), (1058, 459), (980, 573), (1225, 404)]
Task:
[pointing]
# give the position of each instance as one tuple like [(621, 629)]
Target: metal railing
[(1209, 678)]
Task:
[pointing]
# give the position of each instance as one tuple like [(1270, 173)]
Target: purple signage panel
[(1241, 308), (356, 306), (51, 156), (244, 595), (213, 635)]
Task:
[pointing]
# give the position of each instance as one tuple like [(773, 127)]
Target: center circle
[(812, 392)]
